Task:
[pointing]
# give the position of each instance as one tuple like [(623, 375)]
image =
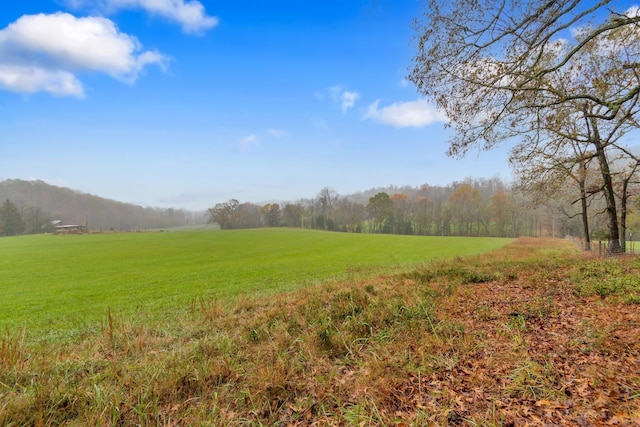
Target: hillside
[(73, 207)]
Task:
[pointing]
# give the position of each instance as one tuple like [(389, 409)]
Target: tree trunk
[(623, 212), (585, 219), (583, 205), (609, 195)]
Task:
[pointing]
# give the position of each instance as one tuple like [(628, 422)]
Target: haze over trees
[(473, 207), (562, 77), (38, 203)]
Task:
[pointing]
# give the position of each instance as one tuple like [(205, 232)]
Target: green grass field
[(56, 286)]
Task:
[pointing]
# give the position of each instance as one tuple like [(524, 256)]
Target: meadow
[(57, 287)]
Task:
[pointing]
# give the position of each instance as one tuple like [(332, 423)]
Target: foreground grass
[(59, 286), (523, 336)]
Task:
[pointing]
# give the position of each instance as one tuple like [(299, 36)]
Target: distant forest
[(40, 205), (473, 207)]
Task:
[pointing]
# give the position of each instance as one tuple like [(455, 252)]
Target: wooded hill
[(39, 203)]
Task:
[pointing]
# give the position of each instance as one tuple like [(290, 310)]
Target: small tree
[(380, 210), (327, 198), (11, 222), (223, 214)]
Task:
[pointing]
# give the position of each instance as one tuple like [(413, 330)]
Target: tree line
[(473, 207)]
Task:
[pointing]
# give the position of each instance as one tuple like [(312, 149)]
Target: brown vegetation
[(534, 334)]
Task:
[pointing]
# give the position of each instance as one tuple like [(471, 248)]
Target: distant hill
[(74, 207)]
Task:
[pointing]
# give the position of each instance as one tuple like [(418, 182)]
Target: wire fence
[(601, 247)]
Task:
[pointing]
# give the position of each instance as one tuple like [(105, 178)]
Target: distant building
[(70, 229)]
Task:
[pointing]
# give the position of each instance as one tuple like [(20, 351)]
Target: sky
[(185, 104)]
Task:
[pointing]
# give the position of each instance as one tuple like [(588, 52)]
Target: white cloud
[(41, 53), (25, 79), (190, 14), (417, 113), (348, 100), (250, 140)]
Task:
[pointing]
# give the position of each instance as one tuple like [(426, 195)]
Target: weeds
[(616, 278), (459, 271), (12, 350), (531, 380)]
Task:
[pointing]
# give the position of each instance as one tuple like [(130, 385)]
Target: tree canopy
[(524, 69)]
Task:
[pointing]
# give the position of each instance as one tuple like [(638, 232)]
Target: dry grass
[(518, 337)]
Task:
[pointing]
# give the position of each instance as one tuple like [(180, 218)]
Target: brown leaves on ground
[(542, 355)]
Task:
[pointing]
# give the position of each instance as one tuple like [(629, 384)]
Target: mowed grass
[(58, 286)]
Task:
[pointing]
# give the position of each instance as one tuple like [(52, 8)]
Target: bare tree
[(326, 200), (497, 68), (550, 163)]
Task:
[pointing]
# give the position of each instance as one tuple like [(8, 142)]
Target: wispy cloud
[(346, 99), (335, 91), (277, 133), (190, 14), (247, 142), (405, 114), (43, 53)]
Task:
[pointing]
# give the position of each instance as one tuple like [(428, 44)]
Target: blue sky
[(180, 103)]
